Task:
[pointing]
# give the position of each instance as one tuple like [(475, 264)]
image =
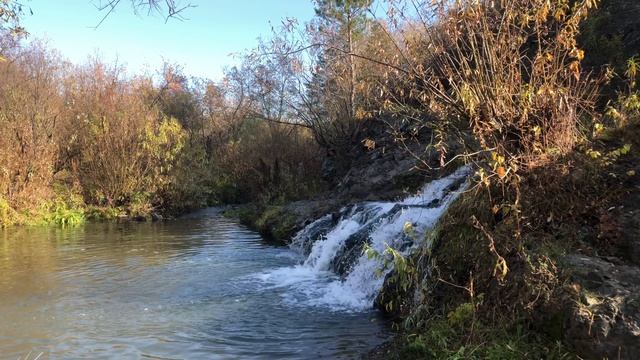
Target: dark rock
[(393, 291), (606, 324), (346, 257), (630, 223), (353, 247), (304, 212), (434, 203), (316, 232)]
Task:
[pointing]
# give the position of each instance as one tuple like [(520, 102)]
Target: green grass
[(60, 211), (460, 335), (8, 215), (65, 209)]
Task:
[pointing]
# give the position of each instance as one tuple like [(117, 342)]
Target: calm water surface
[(182, 289)]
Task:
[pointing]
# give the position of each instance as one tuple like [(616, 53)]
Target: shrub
[(119, 147), (62, 212), (29, 109), (8, 216), (510, 72)]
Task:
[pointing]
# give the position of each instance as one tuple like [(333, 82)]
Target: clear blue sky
[(201, 43)]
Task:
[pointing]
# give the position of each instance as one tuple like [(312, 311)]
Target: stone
[(606, 324)]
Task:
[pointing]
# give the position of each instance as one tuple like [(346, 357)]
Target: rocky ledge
[(605, 323)]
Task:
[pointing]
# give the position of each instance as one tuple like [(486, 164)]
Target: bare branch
[(168, 8)]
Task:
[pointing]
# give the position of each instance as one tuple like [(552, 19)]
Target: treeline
[(89, 140), (92, 140)]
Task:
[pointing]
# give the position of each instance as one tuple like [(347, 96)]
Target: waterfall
[(334, 272)]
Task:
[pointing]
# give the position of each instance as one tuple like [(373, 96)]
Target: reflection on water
[(179, 289)]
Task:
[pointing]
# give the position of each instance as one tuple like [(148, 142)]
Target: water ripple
[(183, 289)]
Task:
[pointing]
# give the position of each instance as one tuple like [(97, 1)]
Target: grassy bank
[(62, 212), (273, 222), (489, 283)]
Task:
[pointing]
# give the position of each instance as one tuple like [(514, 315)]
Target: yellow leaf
[(501, 269), (593, 153), (408, 227), (575, 69), (499, 159), (544, 12), (625, 149), (613, 113), (632, 68), (549, 57), (536, 130), (360, 114), (370, 144), (577, 53)]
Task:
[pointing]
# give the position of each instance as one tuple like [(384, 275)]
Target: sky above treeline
[(201, 43)]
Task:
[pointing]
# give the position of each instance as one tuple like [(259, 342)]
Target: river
[(194, 288)]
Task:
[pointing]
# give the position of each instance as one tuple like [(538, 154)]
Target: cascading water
[(334, 271)]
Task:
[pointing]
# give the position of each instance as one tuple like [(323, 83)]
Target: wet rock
[(305, 239), (353, 247)]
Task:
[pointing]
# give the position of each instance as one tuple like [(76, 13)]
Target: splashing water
[(335, 273)]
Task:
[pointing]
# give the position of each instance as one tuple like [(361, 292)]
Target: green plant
[(8, 215), (104, 212), (625, 108), (60, 211), (403, 275), (139, 206), (442, 339), (64, 216)]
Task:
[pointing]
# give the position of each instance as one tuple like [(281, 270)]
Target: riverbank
[(64, 212), (561, 285), (566, 280)]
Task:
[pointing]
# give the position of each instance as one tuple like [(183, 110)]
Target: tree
[(341, 23), (10, 12)]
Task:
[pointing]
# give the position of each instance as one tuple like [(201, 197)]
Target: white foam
[(313, 284), (322, 254)]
